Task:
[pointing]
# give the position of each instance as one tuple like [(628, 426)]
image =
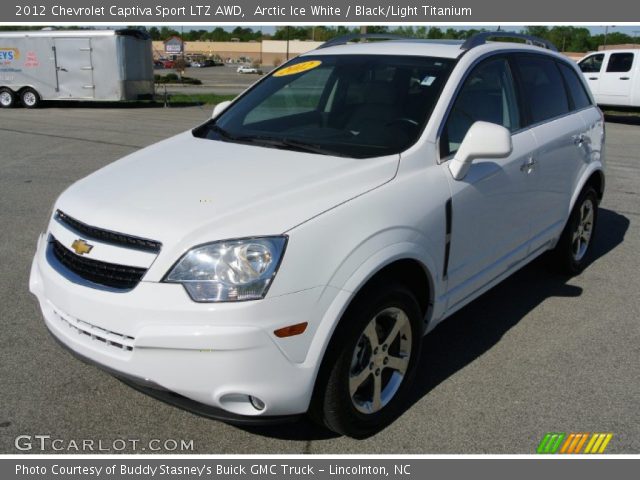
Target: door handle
[(625, 78), (593, 78), (528, 166), (62, 69)]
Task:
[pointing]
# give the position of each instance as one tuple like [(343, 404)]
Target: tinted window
[(543, 87), (301, 95), (348, 105), (576, 87), (592, 64), (620, 62), (488, 94)]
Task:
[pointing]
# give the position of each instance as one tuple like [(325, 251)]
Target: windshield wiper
[(288, 143), (222, 132)]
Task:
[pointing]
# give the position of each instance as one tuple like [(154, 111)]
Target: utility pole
[(182, 41), (606, 32), (287, 27)]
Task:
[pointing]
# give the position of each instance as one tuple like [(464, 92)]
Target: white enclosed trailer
[(86, 65)]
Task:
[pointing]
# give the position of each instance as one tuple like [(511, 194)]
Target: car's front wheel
[(370, 363)]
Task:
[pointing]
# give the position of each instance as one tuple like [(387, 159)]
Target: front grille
[(103, 273), (107, 236)]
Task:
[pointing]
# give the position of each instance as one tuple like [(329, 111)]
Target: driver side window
[(592, 64), (488, 94)]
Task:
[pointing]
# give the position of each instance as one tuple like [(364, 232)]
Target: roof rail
[(482, 37), (357, 36)]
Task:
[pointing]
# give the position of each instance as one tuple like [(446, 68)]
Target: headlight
[(229, 270)]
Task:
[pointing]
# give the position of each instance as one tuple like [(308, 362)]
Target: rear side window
[(620, 62), (576, 88), (543, 88), (592, 64), (488, 95)]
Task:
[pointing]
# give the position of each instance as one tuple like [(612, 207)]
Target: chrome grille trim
[(107, 236)]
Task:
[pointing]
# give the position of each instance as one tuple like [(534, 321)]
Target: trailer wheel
[(7, 98), (29, 98)]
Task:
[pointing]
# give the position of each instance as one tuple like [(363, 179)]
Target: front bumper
[(213, 356)]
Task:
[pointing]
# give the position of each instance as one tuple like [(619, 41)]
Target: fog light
[(256, 403)]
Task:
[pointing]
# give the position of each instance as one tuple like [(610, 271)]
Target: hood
[(186, 190)]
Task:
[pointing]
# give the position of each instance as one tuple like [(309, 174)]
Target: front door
[(74, 68), (490, 223), (591, 67)]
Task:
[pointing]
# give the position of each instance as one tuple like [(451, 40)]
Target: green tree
[(155, 33), (435, 33)]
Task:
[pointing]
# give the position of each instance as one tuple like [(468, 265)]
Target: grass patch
[(170, 78), (630, 112), (200, 98)]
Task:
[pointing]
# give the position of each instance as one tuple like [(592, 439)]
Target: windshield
[(347, 105)]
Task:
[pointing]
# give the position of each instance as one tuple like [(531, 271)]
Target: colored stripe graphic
[(550, 442), (598, 443), (573, 443)]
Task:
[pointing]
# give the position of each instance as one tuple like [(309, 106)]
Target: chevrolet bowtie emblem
[(81, 247)]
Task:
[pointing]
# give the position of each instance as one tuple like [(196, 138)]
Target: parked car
[(246, 69), (613, 76), (197, 64), (168, 63), (323, 222)]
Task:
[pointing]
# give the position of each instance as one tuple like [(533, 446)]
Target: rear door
[(616, 80), (560, 132), (74, 68), (591, 67)]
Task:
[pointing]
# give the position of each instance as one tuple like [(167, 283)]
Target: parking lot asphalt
[(536, 354)]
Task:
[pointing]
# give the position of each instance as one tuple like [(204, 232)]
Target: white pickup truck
[(613, 76)]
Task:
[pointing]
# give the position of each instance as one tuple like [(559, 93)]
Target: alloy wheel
[(584, 228), (380, 360)]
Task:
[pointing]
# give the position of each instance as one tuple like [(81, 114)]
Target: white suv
[(288, 255)]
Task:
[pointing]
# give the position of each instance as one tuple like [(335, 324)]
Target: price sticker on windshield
[(297, 68)]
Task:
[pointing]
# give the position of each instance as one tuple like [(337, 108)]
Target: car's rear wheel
[(7, 98), (575, 245), (370, 363)]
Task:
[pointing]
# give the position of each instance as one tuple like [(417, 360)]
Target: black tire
[(568, 256), (332, 404), (7, 98), (29, 98)]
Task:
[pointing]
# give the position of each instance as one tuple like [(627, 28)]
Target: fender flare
[(593, 168), (355, 282)]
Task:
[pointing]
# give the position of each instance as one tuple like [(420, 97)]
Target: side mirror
[(219, 108), (483, 140)]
